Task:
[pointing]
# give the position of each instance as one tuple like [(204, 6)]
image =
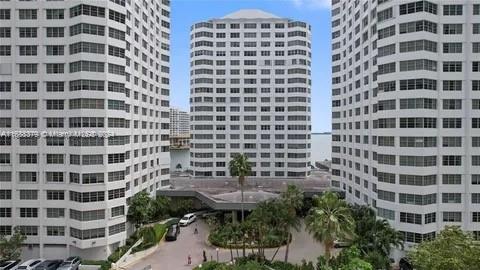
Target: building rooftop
[(250, 14)]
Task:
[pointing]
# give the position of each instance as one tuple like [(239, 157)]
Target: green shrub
[(105, 265), (92, 262), (160, 230), (212, 265), (117, 254)]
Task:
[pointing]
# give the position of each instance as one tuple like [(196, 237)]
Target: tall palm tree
[(330, 219), (293, 200), (240, 166), (374, 236)]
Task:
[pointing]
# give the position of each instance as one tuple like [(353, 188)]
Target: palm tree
[(293, 200), (239, 166), (330, 219), (374, 237)]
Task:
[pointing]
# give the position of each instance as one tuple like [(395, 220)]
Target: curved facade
[(98, 67), (250, 93), (405, 104)]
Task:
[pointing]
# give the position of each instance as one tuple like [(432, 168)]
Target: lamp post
[(217, 249)]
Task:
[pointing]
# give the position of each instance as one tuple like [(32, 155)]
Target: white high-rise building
[(406, 111), (179, 123), (250, 93), (83, 68)]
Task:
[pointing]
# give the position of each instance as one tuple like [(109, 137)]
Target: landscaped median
[(142, 240)]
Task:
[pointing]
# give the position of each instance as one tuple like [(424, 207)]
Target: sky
[(185, 13)]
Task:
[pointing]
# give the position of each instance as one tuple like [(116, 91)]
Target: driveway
[(173, 255)]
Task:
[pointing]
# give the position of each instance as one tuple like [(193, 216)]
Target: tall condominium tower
[(250, 93), (179, 123), (75, 71), (406, 111)]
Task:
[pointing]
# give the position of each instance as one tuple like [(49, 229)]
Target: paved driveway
[(173, 255)]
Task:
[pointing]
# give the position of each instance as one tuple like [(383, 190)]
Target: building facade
[(179, 123), (89, 81), (250, 93), (179, 131), (406, 111)]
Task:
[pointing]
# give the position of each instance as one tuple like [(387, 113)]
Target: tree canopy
[(330, 219), (452, 249), (11, 247)]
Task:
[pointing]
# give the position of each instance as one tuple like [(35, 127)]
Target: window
[(86, 28), (452, 179), (5, 14), (90, 66), (87, 215), (55, 14), (87, 234), (29, 230), (415, 199), (56, 195), (452, 85), (55, 32), (28, 194), (28, 69), (452, 47), (410, 218), (118, 211), (116, 229), (476, 9), (452, 10), (452, 216), (5, 32), (55, 230), (452, 104), (451, 160), (27, 32), (28, 50), (452, 66), (451, 197), (27, 14), (417, 180), (55, 68), (55, 50), (419, 6), (384, 15), (28, 158), (418, 64), (418, 26), (452, 29), (418, 45), (87, 10), (386, 195), (5, 50)]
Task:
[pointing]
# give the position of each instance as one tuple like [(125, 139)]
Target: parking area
[(173, 255)]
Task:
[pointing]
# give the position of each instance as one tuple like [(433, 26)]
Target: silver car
[(9, 265), (70, 263)]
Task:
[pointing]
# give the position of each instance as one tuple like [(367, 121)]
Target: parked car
[(187, 219), (48, 265), (70, 263), (341, 244), (9, 265), (172, 232), (30, 264)]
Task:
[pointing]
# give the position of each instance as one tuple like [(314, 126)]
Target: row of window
[(79, 122), (425, 180), (253, 173), (250, 25), (60, 159), (59, 14)]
